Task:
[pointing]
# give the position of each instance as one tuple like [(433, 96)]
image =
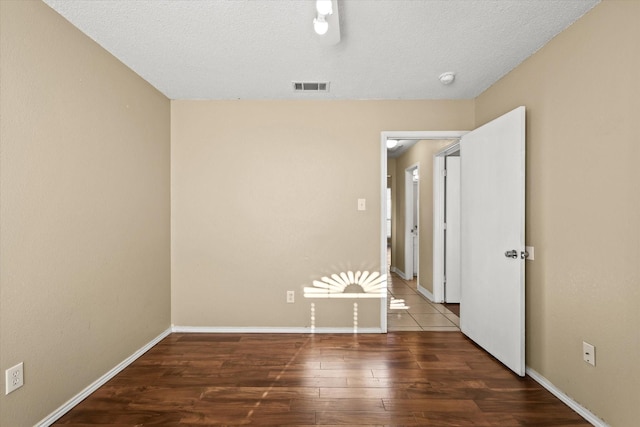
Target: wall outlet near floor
[(14, 378), (588, 353), (291, 297)]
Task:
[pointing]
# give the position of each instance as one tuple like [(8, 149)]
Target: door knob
[(511, 254)]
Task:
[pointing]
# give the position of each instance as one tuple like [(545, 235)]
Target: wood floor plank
[(449, 419), (395, 379), (322, 373), (367, 393), (231, 417), (338, 404), (361, 417), (431, 405), (279, 392), (371, 364)]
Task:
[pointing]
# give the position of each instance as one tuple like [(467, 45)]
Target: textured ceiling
[(254, 49)]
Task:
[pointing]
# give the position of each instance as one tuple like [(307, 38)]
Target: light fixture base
[(447, 78), (320, 25)]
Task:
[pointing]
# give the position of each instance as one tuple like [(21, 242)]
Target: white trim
[(581, 410), (71, 403), (271, 330), (439, 192), (383, 225), (410, 197), (424, 291), (421, 134), (401, 273), (438, 229), (452, 148)]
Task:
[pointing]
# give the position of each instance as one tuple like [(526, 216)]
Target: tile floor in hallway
[(420, 314)]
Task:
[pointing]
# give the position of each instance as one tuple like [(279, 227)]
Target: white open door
[(492, 238)]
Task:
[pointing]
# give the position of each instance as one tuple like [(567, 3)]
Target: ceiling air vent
[(311, 86)]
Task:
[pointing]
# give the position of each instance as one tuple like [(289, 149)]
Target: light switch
[(362, 204)]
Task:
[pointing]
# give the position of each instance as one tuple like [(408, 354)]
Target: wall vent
[(311, 86)]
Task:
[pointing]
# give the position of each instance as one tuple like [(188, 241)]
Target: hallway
[(420, 314)]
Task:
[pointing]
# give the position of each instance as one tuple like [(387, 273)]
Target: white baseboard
[(581, 410), (428, 295), (401, 273), (269, 330), (69, 404)]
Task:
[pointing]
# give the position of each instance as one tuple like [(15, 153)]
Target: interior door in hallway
[(414, 228), (452, 231), (492, 306)]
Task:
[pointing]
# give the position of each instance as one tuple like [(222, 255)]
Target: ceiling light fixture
[(447, 78), (324, 7), (392, 143), (320, 24)]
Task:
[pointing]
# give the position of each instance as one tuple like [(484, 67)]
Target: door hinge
[(444, 226), (444, 172)]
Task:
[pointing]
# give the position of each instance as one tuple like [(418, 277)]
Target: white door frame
[(409, 200), (416, 135), (439, 192)]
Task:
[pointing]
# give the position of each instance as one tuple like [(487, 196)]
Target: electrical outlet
[(14, 378), (291, 297), (588, 353)]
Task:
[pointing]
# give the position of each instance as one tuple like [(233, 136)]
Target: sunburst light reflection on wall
[(349, 285)]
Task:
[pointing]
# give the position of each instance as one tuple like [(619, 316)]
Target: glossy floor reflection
[(395, 379), (421, 314)]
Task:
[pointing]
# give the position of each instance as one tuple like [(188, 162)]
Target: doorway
[(492, 199), (404, 136)]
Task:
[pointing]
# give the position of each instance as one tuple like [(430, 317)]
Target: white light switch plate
[(362, 204)]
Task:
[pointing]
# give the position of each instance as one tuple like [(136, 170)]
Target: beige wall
[(397, 216), (421, 154), (285, 214), (582, 93), (84, 210)]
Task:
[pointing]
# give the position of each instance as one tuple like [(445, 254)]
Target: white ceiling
[(254, 49)]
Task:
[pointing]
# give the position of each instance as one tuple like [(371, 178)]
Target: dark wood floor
[(401, 378)]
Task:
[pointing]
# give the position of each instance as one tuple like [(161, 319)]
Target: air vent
[(311, 86)]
